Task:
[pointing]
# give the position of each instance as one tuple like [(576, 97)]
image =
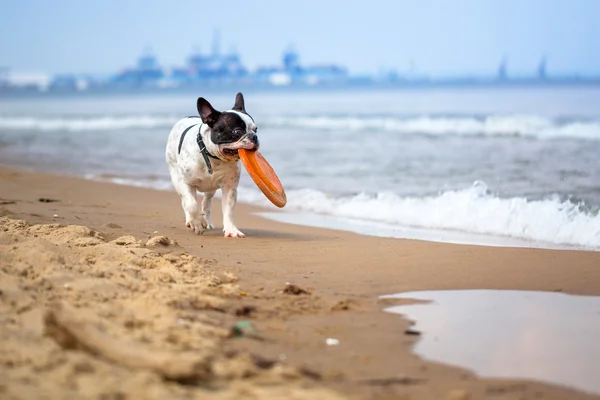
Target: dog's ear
[(208, 114), (239, 103)]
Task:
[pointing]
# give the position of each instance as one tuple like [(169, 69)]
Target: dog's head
[(230, 130)]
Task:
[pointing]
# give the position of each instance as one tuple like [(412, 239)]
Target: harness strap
[(203, 151), (201, 145), (183, 137)]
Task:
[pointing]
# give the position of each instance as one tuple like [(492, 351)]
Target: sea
[(497, 166)]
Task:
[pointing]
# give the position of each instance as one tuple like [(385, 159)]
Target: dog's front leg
[(228, 201), (194, 217)]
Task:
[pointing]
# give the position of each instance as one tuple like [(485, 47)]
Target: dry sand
[(104, 294)]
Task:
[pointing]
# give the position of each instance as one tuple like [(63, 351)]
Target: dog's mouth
[(247, 143)]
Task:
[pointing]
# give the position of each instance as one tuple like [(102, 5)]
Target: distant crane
[(502, 69), (541, 72)]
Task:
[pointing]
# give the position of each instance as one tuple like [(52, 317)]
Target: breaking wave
[(519, 126), (471, 210), (84, 124), (511, 125)]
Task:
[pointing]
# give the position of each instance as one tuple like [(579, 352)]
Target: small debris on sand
[(294, 289)]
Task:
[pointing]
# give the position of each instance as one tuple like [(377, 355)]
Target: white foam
[(509, 125), (84, 124), (373, 228), (470, 215), (471, 210)]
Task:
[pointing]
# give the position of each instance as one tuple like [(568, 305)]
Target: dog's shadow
[(217, 232)]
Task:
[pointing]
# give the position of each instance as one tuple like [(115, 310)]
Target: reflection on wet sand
[(545, 336)]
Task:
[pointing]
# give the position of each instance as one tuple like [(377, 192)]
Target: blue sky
[(439, 37)]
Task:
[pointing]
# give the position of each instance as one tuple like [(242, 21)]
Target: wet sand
[(111, 297)]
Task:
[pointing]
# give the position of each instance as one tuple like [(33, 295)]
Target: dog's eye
[(238, 131)]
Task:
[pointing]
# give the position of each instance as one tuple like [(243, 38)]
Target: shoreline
[(373, 228), (358, 226), (343, 273)]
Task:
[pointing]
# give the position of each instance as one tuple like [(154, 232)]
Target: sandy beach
[(106, 295)]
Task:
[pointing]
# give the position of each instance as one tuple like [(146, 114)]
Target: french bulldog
[(202, 156)]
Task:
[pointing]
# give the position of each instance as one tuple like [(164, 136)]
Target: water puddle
[(543, 336)]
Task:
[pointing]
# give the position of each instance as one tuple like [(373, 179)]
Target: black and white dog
[(202, 155)]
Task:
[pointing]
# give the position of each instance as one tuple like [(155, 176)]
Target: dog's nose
[(254, 138)]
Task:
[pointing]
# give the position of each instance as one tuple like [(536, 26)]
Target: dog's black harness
[(201, 145)]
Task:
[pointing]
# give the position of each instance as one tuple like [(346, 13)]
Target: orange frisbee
[(264, 176)]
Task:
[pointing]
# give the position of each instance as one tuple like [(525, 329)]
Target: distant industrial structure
[(225, 69), (209, 70), (217, 68)]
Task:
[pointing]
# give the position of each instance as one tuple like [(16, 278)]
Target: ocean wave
[(471, 210), (514, 125), (510, 125), (85, 124)]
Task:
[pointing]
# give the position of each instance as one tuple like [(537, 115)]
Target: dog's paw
[(207, 223), (233, 232), (196, 225)]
